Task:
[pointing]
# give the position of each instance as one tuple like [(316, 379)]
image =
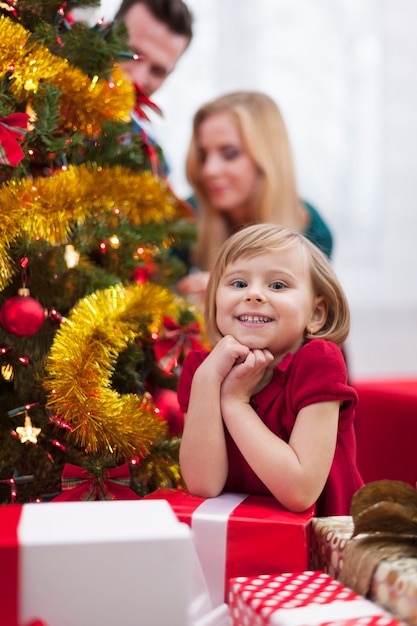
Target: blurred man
[(159, 32)]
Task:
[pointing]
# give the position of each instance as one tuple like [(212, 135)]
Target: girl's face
[(268, 301), (227, 172)]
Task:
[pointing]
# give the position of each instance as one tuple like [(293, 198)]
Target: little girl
[(268, 409)]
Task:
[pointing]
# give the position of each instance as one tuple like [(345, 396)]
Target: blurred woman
[(240, 167)]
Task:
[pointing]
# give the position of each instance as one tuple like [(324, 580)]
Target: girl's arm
[(294, 472), (203, 454)]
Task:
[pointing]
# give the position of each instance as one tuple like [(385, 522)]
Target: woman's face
[(227, 172)]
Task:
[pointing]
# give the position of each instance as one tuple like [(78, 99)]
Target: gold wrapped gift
[(374, 551)]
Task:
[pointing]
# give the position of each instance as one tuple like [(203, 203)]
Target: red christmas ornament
[(166, 401), (22, 315), (144, 274), (141, 275)]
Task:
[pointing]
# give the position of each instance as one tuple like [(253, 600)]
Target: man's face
[(158, 49)]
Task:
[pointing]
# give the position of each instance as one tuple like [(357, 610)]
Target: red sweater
[(315, 373)]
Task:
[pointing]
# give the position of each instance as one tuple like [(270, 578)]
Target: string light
[(21, 409), (55, 315)]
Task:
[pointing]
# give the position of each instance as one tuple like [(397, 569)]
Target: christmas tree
[(91, 331)]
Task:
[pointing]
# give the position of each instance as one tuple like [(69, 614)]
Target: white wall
[(343, 74)]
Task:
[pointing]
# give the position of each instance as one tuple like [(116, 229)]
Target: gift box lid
[(98, 522)]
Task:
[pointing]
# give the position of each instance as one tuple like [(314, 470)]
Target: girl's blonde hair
[(266, 141), (255, 240)]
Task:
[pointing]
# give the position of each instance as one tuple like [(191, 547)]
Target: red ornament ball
[(167, 402), (141, 275), (22, 315), (144, 274)]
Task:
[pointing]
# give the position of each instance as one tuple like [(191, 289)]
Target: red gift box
[(241, 535), (309, 598)]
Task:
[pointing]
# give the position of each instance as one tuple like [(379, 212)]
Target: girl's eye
[(277, 285), (240, 284)]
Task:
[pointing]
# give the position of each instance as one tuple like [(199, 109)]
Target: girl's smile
[(254, 319)]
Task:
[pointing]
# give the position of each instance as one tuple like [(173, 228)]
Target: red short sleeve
[(320, 375)]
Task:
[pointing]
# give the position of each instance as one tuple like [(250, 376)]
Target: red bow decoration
[(151, 152), (177, 341), (143, 100), (80, 484), (8, 7), (12, 128)]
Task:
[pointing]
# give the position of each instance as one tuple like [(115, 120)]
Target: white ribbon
[(209, 525)]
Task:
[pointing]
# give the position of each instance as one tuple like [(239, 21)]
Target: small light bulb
[(114, 241), (7, 371), (71, 256)]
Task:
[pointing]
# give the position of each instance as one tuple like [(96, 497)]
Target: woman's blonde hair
[(266, 141), (259, 239)]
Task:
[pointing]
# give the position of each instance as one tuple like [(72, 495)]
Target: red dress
[(315, 373)]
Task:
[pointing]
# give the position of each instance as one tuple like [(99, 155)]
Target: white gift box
[(106, 562)]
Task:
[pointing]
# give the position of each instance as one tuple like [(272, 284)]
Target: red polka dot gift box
[(309, 598)]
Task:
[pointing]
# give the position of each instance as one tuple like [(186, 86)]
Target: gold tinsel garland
[(85, 103), (81, 363), (47, 208)]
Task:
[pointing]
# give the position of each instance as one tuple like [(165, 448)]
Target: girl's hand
[(203, 452), (226, 354), (243, 379)]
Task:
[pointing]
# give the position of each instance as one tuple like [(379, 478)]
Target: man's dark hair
[(173, 13)]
